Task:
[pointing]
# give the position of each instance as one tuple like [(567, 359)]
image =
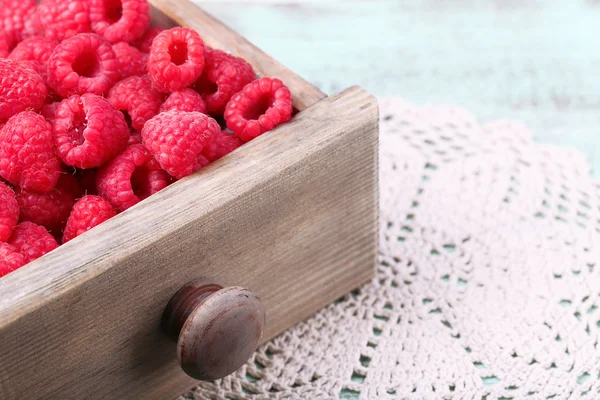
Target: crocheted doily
[(487, 286)]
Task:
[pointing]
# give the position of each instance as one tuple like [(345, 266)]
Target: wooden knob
[(216, 329)]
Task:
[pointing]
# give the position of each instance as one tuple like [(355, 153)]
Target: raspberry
[(49, 111), (131, 177), (135, 138), (177, 139), (32, 26), (27, 157), (258, 108), (223, 144), (176, 59), (136, 97), (87, 213), (21, 88), (184, 100), (10, 259), (146, 40), (82, 64), (36, 51), (120, 20), (50, 210), (32, 241), (224, 75), (88, 131), (13, 14), (62, 19), (132, 62), (3, 46), (9, 212)]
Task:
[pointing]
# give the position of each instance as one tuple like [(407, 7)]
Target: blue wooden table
[(536, 61)]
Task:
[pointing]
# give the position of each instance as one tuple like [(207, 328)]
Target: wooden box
[(291, 215)]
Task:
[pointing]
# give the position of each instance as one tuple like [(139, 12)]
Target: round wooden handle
[(216, 329)]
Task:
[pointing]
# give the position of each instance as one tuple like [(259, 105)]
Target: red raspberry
[(62, 19), (223, 144), (3, 46), (49, 111), (50, 210), (120, 20), (87, 180), (136, 97), (177, 139), (88, 131), (27, 157), (176, 59), (9, 212), (258, 108), (184, 100), (36, 51), (224, 75), (32, 241), (146, 40), (82, 64), (32, 26), (135, 138), (10, 259), (132, 62), (131, 177), (21, 88), (13, 14), (88, 212)]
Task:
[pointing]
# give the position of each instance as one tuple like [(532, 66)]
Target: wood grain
[(217, 35), (291, 215)]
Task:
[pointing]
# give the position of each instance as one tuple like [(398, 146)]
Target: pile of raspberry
[(99, 110)]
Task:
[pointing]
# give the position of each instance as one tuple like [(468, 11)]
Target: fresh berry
[(184, 100), (50, 210), (32, 241), (177, 139), (176, 59), (132, 62), (9, 212), (224, 75), (10, 259), (82, 64), (146, 40), (21, 88), (131, 177), (49, 111), (223, 144), (137, 98), (88, 131), (27, 157), (259, 107), (88, 212), (62, 19), (32, 26), (4, 50), (36, 51), (135, 138), (87, 180), (120, 20), (12, 19)]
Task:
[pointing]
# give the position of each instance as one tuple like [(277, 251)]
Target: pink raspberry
[(10, 259), (137, 98), (62, 19), (9, 212), (50, 210), (13, 14), (32, 241), (223, 144), (131, 177), (132, 62), (146, 40), (224, 75), (177, 139), (49, 111), (120, 20), (184, 100), (176, 59), (88, 212), (4, 50), (21, 88), (36, 51), (88, 131), (82, 64), (27, 157), (259, 107)]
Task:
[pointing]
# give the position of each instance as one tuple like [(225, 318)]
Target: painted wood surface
[(536, 61)]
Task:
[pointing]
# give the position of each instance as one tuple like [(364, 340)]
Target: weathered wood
[(219, 36), (291, 215)]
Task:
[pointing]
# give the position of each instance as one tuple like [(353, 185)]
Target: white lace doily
[(488, 284)]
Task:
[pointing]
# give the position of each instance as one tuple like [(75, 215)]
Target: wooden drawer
[(292, 215)]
